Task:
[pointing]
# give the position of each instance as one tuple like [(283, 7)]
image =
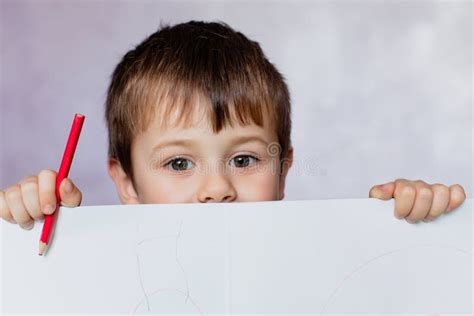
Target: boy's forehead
[(166, 121), (200, 124), (176, 118)]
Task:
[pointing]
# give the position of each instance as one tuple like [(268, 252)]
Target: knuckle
[(47, 173), (408, 190), (439, 188), (425, 193), (400, 181), (28, 179), (13, 192), (28, 185), (419, 182)]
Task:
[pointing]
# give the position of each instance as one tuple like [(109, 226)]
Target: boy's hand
[(417, 200), (34, 196)]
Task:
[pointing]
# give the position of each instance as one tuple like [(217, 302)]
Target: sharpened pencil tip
[(42, 248)]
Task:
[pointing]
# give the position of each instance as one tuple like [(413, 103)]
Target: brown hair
[(179, 62)]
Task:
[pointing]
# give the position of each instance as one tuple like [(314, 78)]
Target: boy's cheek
[(257, 187), (250, 187), (262, 184), (165, 190)]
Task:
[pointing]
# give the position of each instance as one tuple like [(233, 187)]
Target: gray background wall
[(380, 89)]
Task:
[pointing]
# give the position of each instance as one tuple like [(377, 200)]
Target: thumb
[(382, 192), (69, 193)]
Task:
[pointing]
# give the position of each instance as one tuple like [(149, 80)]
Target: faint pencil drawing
[(149, 295), (385, 254)]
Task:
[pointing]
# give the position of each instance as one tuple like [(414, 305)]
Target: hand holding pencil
[(35, 197)]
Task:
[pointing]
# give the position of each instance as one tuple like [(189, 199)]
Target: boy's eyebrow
[(192, 143), (177, 142), (247, 139)]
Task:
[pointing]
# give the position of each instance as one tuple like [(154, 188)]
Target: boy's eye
[(243, 161), (179, 164)]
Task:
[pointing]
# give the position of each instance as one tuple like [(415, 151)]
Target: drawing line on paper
[(179, 262), (366, 263), (141, 282), (146, 297), (170, 290)]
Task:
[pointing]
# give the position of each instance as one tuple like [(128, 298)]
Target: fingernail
[(29, 226), (49, 209), (68, 187)]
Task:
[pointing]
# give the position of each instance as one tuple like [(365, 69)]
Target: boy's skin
[(212, 174)]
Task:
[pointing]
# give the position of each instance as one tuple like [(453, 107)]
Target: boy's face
[(190, 165)]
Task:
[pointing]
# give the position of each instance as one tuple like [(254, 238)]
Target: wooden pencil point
[(42, 248)]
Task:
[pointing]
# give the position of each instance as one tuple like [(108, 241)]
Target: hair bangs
[(175, 102)]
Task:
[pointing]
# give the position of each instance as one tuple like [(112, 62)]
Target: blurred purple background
[(381, 90)]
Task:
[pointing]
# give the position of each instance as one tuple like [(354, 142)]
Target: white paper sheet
[(294, 257)]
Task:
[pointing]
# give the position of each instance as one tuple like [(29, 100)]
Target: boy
[(196, 113)]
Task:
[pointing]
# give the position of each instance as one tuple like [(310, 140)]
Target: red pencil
[(62, 173)]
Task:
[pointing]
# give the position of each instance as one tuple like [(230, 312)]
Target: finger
[(4, 209), (17, 208), (440, 201), (423, 202), (457, 197), (29, 192), (70, 194), (405, 194), (382, 191), (47, 194)]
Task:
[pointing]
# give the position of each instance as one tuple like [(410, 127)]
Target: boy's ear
[(286, 164), (123, 183)]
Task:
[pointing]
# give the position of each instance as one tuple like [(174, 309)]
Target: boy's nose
[(216, 188)]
